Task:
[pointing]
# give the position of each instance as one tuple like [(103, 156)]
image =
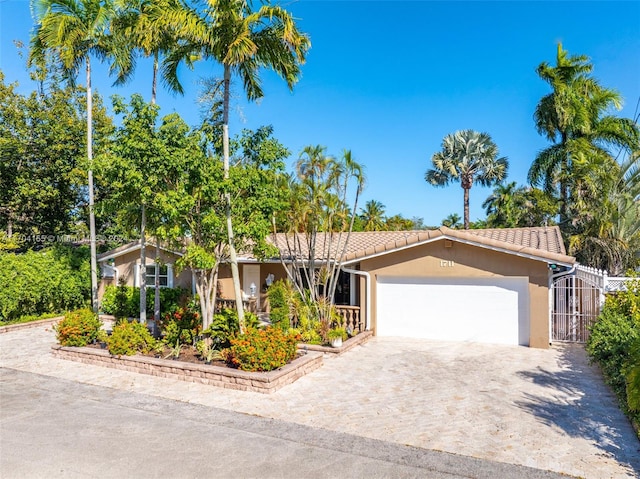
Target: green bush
[(181, 325), (262, 349), (613, 344), (78, 328), (124, 301), (280, 297), (130, 338), (225, 325), (48, 281)]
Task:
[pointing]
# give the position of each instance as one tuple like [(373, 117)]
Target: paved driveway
[(546, 409)]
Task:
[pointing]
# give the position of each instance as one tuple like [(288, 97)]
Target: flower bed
[(263, 382), (346, 346)]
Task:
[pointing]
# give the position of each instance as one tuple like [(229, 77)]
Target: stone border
[(262, 382), (349, 344), (30, 324)]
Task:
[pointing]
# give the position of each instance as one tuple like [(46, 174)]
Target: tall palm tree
[(574, 117), (142, 26), (72, 31), (373, 215), (243, 41), (467, 156)]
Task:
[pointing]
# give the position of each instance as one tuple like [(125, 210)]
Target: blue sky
[(388, 80)]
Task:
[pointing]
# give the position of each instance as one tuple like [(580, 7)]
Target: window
[(163, 275)]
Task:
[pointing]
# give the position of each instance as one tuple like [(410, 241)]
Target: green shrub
[(225, 325), (262, 349), (633, 379), (182, 325), (280, 298), (613, 344), (130, 338), (78, 328), (124, 301), (48, 281)]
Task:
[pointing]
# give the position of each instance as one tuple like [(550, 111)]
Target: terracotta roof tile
[(542, 242)]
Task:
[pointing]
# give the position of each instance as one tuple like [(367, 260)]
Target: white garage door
[(488, 310)]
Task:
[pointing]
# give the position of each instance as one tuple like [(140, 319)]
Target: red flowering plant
[(182, 325), (262, 349)]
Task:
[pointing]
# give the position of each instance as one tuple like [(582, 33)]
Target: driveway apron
[(547, 409)]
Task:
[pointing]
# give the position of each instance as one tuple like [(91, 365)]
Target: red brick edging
[(262, 382), (350, 343)]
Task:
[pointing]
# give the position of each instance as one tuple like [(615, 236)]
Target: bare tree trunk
[(233, 259), (92, 217), (154, 81), (143, 267), (156, 298), (466, 208)]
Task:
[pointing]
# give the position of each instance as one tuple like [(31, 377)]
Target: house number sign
[(446, 264)]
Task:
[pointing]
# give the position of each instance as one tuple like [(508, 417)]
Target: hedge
[(39, 282)]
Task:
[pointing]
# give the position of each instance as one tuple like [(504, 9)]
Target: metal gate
[(576, 306)]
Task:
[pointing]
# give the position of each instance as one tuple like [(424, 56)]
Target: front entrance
[(251, 282)]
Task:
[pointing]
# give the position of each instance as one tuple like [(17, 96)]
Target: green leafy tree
[(607, 233), (574, 117), (137, 167), (243, 41), (195, 205), (512, 206), (70, 32), (41, 173), (399, 223), (372, 216), (453, 221), (467, 157)]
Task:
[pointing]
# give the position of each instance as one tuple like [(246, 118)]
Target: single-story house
[(484, 285)]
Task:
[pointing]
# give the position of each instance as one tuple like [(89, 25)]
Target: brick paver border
[(349, 344), (262, 382)]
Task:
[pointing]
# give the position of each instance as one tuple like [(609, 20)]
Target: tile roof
[(544, 243)]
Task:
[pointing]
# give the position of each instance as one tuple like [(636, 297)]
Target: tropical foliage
[(48, 281), (319, 222), (78, 328), (512, 206), (467, 157), (613, 344), (244, 42), (262, 349)]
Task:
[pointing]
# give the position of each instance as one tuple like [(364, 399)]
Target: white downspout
[(551, 279), (367, 282)]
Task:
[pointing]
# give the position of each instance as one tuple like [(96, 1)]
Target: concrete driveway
[(546, 409)]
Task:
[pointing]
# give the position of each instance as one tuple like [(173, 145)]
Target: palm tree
[(373, 216), (503, 205), (244, 41), (72, 31), (467, 156), (573, 117), (452, 221), (609, 234), (142, 26)]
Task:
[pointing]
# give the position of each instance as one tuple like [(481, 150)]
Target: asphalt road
[(53, 428)]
